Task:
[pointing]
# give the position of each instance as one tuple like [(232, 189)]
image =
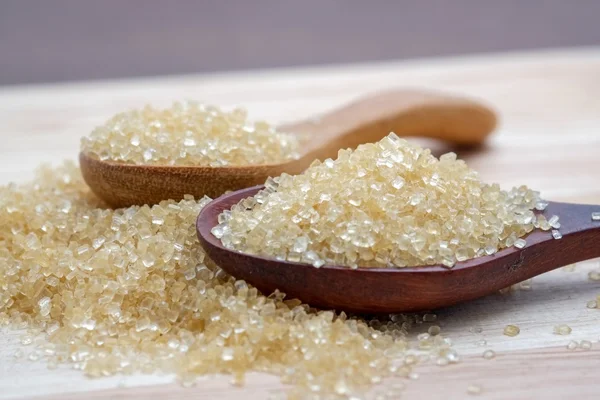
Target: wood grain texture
[(549, 138), (526, 380), (393, 290), (413, 113)]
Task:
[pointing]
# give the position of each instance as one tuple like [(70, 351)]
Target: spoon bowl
[(392, 290), (406, 112)]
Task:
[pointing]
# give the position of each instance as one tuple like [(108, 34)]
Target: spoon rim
[(87, 156), (207, 219)]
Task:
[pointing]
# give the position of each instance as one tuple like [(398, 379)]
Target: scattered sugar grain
[(592, 304), (413, 376), (429, 317), (442, 361), (474, 389), (585, 345), (520, 243), (594, 275), (511, 330), (569, 268), (26, 340), (434, 330), (526, 284), (475, 329), (562, 329), (129, 303), (553, 222)]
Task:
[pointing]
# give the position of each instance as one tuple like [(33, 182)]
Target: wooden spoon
[(406, 112), (391, 290)]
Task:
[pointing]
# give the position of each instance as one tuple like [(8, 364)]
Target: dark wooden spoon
[(419, 113), (378, 290)]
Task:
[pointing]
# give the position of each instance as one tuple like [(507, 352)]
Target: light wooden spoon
[(405, 112)]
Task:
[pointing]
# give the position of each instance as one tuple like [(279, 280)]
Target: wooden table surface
[(549, 138)]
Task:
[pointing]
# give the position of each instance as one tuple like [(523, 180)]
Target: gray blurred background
[(65, 40)]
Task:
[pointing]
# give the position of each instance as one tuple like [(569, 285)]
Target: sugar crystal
[(520, 243), (562, 329), (189, 134), (594, 275), (585, 345), (474, 389), (511, 330), (358, 211), (115, 292)]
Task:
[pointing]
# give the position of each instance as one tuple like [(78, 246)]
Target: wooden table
[(549, 139)]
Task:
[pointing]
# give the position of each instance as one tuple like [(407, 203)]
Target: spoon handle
[(406, 112), (580, 233)]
